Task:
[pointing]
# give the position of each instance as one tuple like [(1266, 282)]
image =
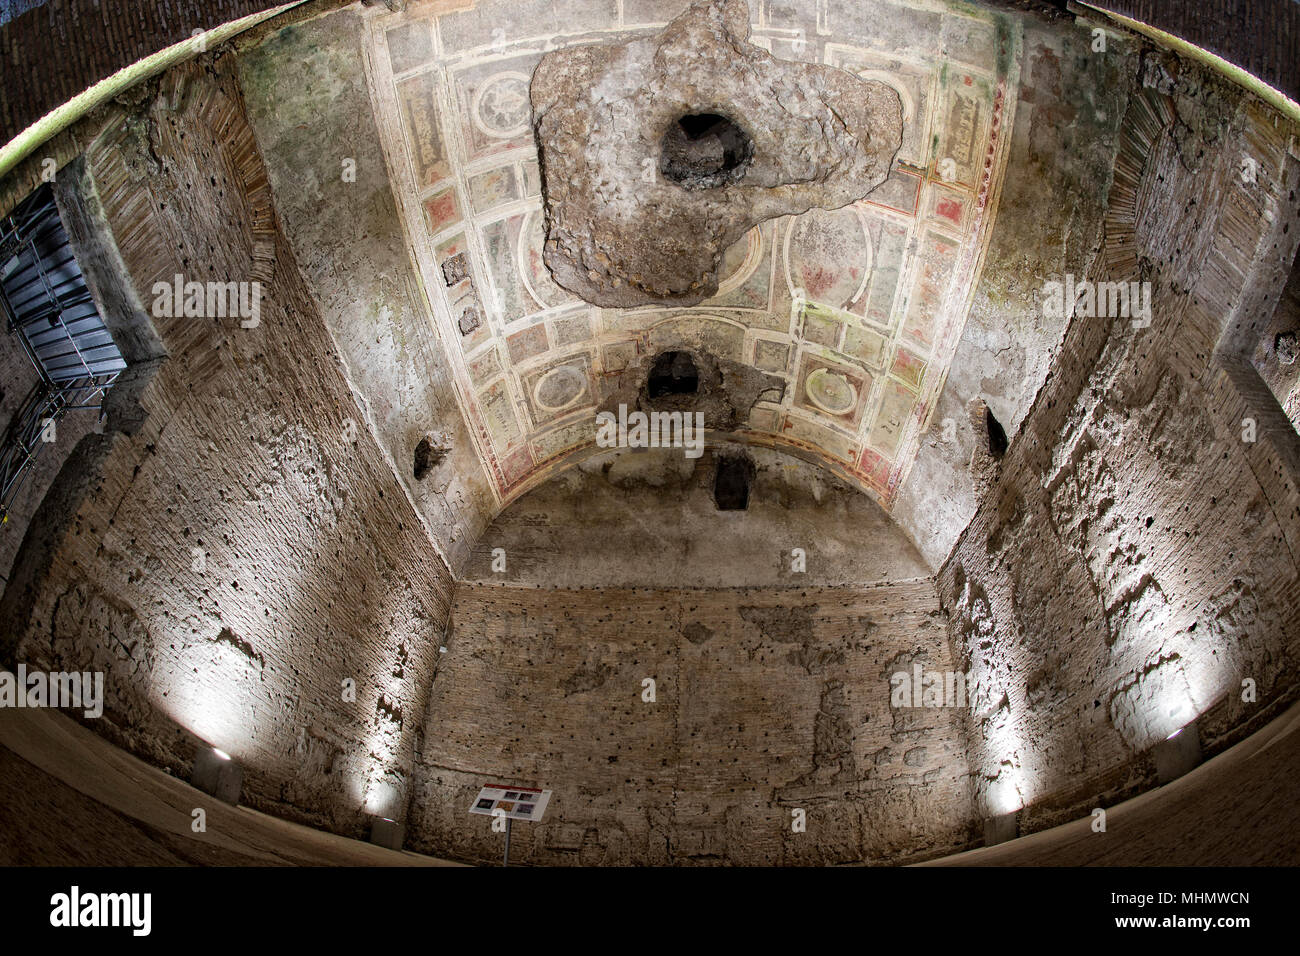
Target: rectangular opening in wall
[(51, 314)]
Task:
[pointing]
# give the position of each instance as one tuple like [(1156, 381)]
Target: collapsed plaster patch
[(659, 153), (1286, 347), (689, 380), (430, 452)]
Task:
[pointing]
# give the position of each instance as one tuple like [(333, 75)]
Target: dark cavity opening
[(673, 373), (704, 151), (997, 434), (1286, 347), (731, 483), (427, 457)]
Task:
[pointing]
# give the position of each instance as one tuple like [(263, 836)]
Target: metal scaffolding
[(46, 303)]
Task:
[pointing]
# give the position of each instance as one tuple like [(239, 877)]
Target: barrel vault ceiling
[(858, 309)]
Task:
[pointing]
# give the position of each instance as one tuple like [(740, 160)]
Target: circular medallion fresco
[(828, 255), (501, 106), (559, 388), (831, 391)]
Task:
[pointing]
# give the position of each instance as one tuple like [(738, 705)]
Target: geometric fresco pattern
[(859, 309)]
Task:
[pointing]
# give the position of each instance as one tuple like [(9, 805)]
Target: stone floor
[(1237, 809), (69, 798)]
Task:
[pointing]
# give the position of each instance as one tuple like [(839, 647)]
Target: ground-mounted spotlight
[(387, 833), (216, 774), (1178, 753), (1003, 827)]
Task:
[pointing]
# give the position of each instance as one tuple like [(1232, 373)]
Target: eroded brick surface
[(315, 567), (766, 700)]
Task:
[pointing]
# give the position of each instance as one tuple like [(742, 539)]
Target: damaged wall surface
[(618, 518), (236, 554), (1133, 565), (765, 701), (1064, 142), (332, 189)]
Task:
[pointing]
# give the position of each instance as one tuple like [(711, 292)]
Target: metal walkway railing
[(46, 303)]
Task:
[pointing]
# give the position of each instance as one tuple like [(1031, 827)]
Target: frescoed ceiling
[(858, 309)]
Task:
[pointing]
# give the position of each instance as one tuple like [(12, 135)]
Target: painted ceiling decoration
[(695, 137), (859, 309)]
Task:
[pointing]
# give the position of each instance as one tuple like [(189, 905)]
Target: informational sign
[(517, 803)]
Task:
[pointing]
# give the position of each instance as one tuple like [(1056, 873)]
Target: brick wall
[(1135, 559), (315, 568), (58, 50), (1261, 36), (348, 239), (766, 701)]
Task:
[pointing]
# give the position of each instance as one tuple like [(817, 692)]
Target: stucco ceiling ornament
[(657, 154)]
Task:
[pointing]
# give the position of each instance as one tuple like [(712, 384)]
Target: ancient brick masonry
[(64, 47), (766, 701), (1134, 561), (315, 569), (1259, 35), (353, 254)]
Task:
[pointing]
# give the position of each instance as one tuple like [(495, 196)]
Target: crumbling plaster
[(619, 519), (333, 192), (1049, 224), (1133, 566), (231, 553)]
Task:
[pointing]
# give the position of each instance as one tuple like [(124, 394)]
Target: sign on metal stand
[(511, 803)]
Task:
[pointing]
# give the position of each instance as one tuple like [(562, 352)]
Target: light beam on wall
[(1008, 791)]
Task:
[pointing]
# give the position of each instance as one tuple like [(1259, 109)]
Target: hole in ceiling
[(1286, 347), (731, 482), (427, 457), (673, 373), (997, 434), (704, 151)]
